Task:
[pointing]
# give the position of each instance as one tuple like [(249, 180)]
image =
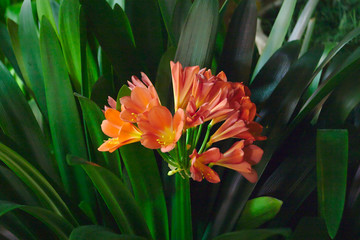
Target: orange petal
[(253, 154), (160, 117), (109, 129)]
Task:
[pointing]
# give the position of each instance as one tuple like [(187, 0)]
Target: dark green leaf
[(5, 46), (14, 36), (273, 71), (255, 234), (30, 51), (56, 223), (277, 34), (69, 28), (147, 31), (342, 100), (113, 31), (93, 119), (46, 194), (13, 110), (163, 79), (181, 11), (238, 48), (64, 120), (124, 91), (310, 228), (94, 232), (143, 172), (117, 197), (257, 211), (197, 37), (167, 9), (332, 161), (101, 91), (324, 89)]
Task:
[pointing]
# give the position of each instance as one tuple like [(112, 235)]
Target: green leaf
[(342, 100), (323, 90), (254, 234), (93, 119), (46, 194), (179, 15), (308, 35), (117, 197), (163, 79), (303, 20), (69, 29), (238, 48), (43, 8), (124, 91), (257, 211), (56, 223), (30, 51), (181, 226), (147, 31), (332, 161), (13, 110), (167, 9), (141, 166), (64, 120), (197, 37), (285, 97), (5, 46), (310, 228), (277, 34), (95, 232), (112, 30), (100, 92), (273, 71)]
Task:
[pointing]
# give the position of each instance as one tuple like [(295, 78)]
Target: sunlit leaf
[(257, 211)]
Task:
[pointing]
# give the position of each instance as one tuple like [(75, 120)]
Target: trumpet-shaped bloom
[(160, 129), (182, 79), (253, 133), (232, 127), (142, 99), (120, 132), (198, 168), (240, 158)]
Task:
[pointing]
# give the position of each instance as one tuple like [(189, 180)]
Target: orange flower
[(253, 133), (121, 132), (240, 158), (229, 129), (111, 102), (198, 168), (208, 100), (160, 129), (182, 80), (143, 97)]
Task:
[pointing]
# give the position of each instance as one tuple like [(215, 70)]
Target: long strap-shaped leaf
[(144, 176), (95, 232), (13, 110), (36, 182), (255, 234), (238, 49), (277, 34), (117, 197), (197, 38), (93, 119), (30, 50), (60, 226), (64, 120), (332, 161)]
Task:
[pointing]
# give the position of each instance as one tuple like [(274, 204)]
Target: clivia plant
[(163, 120)]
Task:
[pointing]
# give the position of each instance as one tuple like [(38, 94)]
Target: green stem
[(181, 228), (203, 145), (167, 158)]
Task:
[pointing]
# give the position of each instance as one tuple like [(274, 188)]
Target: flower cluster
[(200, 99)]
